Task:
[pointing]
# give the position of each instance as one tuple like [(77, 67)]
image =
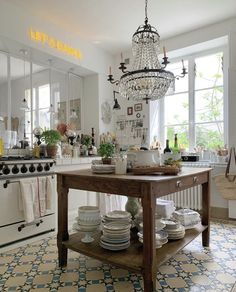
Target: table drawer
[(176, 185)]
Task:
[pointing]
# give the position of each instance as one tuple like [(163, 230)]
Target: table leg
[(206, 212), (149, 245), (62, 234)]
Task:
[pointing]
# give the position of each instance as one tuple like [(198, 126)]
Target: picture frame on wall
[(129, 110), (138, 107)]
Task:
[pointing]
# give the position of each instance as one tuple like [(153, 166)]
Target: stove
[(14, 169), (25, 166)]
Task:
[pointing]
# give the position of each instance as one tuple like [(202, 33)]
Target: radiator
[(192, 197)]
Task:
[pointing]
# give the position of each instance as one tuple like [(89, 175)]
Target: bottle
[(167, 148), (176, 146), (1, 147)]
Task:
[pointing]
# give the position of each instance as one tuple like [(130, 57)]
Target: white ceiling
[(110, 23)]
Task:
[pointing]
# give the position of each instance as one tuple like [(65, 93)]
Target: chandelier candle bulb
[(110, 70), (121, 57), (164, 51)]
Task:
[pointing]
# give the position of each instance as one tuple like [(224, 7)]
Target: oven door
[(12, 225)]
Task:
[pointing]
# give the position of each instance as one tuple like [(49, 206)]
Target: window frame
[(190, 58)]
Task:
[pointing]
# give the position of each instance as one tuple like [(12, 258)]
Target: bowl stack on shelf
[(187, 217), (88, 221), (161, 238), (117, 216), (116, 235), (174, 229), (164, 208)]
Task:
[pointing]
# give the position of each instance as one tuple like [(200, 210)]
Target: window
[(195, 110)]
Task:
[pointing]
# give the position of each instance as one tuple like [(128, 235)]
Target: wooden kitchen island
[(137, 258)]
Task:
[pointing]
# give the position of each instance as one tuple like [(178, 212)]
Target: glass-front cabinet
[(33, 95)]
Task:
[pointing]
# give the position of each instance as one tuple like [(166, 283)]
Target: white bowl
[(89, 213), (143, 157)]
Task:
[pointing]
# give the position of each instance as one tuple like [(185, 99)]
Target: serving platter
[(156, 170)]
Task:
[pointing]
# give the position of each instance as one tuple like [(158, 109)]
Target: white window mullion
[(191, 104), (37, 106)]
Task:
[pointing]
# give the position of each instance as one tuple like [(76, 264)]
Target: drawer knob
[(179, 184), (195, 179)]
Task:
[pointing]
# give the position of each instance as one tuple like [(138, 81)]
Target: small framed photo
[(129, 111), (138, 107)]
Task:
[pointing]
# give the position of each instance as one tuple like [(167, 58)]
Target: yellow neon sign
[(53, 43)]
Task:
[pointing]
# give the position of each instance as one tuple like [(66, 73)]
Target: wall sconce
[(116, 106)]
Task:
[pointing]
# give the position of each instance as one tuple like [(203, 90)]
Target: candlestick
[(164, 52)]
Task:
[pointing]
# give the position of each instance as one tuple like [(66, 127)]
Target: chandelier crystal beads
[(148, 79)]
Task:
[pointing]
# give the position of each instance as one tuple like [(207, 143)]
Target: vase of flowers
[(51, 139)]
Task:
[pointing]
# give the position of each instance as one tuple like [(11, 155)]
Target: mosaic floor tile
[(195, 269)]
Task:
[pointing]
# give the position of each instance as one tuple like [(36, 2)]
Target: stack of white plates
[(116, 236), (138, 222), (117, 216), (187, 217), (161, 238), (175, 230), (103, 168)]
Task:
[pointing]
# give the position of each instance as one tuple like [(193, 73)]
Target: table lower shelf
[(131, 258)]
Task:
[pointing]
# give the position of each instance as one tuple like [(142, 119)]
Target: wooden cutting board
[(156, 170)]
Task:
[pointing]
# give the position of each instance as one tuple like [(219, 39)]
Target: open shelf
[(131, 258)]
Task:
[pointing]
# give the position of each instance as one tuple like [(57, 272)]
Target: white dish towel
[(35, 197)]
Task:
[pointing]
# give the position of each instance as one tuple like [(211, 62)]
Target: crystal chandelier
[(148, 79)]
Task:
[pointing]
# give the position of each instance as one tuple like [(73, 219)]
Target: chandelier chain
[(146, 18)]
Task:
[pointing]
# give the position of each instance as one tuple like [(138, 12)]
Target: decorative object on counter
[(86, 142), (116, 105), (171, 159), (226, 182), (38, 133), (129, 110), (51, 139), (71, 134), (148, 79), (106, 151), (138, 107), (88, 221), (61, 128), (93, 134), (120, 163), (132, 206)]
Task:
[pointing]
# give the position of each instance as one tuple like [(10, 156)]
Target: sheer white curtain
[(109, 202)]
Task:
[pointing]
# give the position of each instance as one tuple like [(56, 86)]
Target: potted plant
[(51, 139), (86, 141), (106, 151)]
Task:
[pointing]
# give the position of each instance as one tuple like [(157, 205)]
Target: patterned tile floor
[(34, 268)]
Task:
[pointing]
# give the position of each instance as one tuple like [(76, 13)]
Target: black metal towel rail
[(7, 182)]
